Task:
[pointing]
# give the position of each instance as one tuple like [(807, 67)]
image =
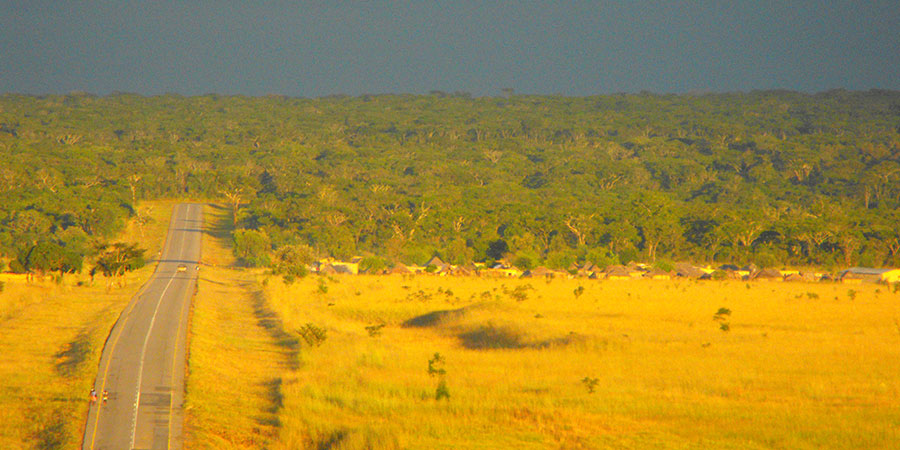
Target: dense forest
[(774, 178)]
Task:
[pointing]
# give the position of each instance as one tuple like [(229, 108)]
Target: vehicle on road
[(182, 268)]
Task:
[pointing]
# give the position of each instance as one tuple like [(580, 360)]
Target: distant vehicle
[(182, 268)]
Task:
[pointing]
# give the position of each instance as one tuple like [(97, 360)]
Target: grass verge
[(236, 356)]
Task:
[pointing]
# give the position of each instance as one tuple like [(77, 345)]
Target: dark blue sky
[(313, 49)]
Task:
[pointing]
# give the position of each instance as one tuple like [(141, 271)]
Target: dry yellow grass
[(235, 362), (51, 335), (792, 371)]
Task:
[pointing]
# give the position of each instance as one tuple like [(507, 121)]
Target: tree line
[(768, 177)]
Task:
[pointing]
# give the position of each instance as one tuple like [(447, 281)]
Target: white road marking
[(137, 392)]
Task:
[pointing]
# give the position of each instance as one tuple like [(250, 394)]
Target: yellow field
[(791, 371), (51, 335), (791, 366)]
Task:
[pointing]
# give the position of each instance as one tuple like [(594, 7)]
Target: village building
[(657, 274), (617, 273), (860, 274), (686, 270), (767, 275)]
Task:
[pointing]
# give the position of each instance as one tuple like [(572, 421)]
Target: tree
[(50, 256), (291, 260), (251, 247), (234, 194), (115, 260)]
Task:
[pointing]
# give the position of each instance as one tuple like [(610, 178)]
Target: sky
[(313, 49)]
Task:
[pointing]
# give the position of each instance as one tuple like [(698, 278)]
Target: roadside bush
[(251, 248)]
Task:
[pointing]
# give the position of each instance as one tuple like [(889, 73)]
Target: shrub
[(590, 383), (665, 265), (372, 264), (313, 335), (578, 291), (374, 330), (251, 247)]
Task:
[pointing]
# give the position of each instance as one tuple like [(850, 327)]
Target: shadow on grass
[(275, 400), (71, 358), (493, 337), (434, 318), (222, 227), (269, 321), (51, 433), (333, 441)]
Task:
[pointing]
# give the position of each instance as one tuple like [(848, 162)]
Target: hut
[(860, 274), (766, 274), (686, 270), (399, 269), (794, 277), (617, 273), (809, 276), (657, 274), (438, 264)]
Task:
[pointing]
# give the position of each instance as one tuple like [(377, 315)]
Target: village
[(436, 267)]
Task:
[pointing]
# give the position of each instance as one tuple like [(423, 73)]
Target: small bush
[(721, 313), (520, 293), (372, 264), (436, 369), (720, 316), (665, 265), (374, 330), (812, 295), (578, 291), (313, 335), (590, 383)]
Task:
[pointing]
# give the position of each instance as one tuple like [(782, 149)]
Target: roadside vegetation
[(236, 356), (52, 331)]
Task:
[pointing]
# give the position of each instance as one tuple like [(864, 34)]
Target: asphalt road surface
[(142, 366)]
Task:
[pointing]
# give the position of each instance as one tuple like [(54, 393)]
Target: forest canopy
[(770, 177)]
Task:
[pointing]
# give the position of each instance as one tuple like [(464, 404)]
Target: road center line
[(137, 391)]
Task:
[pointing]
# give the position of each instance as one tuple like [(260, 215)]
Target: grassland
[(51, 336), (800, 365), (530, 364), (236, 355)]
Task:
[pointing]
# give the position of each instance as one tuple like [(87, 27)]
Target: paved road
[(142, 366)]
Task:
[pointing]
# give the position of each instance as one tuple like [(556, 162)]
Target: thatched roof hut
[(794, 277), (617, 273), (766, 274), (657, 274), (686, 270)]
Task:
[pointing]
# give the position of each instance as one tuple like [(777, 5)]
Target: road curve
[(142, 365)]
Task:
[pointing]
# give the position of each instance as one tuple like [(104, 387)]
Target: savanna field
[(465, 362)]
